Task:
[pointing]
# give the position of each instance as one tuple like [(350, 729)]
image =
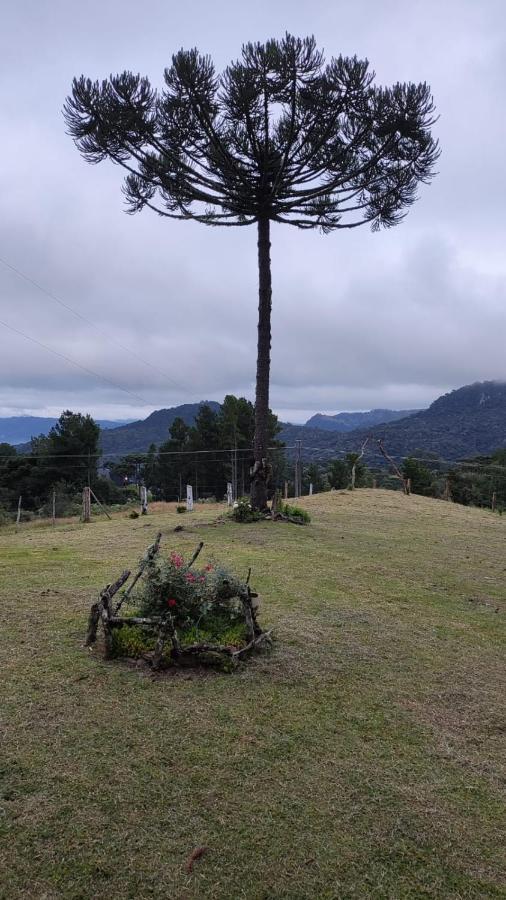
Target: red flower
[(171, 602), (209, 568), (190, 576), (176, 559)]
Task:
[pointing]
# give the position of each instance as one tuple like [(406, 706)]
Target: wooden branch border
[(103, 611)]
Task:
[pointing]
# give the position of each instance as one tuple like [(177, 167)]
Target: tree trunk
[(260, 472)]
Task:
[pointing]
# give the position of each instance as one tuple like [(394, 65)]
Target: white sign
[(189, 498), (230, 498)]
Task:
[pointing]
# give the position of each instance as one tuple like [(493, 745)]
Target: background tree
[(280, 136), (420, 476)]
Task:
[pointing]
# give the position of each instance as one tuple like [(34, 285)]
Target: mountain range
[(466, 422), (349, 421), (20, 429), (137, 436)]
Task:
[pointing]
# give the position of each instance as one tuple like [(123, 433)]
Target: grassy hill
[(363, 757)]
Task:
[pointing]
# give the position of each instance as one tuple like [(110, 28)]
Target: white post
[(311, 489), (230, 491), (189, 498), (144, 500), (19, 512)]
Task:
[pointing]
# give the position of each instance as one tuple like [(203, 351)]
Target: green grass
[(363, 757)]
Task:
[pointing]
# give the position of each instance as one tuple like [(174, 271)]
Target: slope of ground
[(363, 757)]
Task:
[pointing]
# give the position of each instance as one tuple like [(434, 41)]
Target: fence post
[(54, 507), (86, 504), (18, 517), (144, 500), (494, 501), (286, 490)]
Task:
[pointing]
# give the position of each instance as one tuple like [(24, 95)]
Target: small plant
[(242, 511), (180, 508), (133, 515), (296, 512), (132, 641)]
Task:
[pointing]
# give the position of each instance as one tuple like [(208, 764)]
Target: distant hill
[(349, 421), (467, 422), (137, 436), (20, 429)]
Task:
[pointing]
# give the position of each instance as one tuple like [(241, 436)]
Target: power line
[(100, 331), (74, 363), (143, 453)]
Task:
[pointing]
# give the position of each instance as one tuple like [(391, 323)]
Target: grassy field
[(363, 757)]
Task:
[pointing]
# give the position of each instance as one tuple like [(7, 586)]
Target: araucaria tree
[(280, 136)]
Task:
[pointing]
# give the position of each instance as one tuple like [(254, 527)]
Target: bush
[(180, 508), (133, 515), (5, 517), (242, 511), (296, 512), (204, 600)]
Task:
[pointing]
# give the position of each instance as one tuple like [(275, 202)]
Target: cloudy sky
[(360, 320)]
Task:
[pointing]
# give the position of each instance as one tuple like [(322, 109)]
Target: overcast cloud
[(359, 319)]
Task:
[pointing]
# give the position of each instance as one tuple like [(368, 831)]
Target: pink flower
[(190, 576), (171, 602), (202, 578), (209, 568), (176, 559)]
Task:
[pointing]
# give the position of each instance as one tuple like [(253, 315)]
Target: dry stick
[(248, 614), (194, 557), (260, 639), (160, 643), (117, 621), (249, 575), (397, 471), (354, 466), (97, 608), (149, 555), (99, 503)]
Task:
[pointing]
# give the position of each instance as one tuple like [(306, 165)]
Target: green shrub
[(180, 508), (242, 511), (132, 641), (5, 517), (296, 512)]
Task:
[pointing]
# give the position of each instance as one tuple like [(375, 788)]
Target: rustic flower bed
[(179, 615)]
